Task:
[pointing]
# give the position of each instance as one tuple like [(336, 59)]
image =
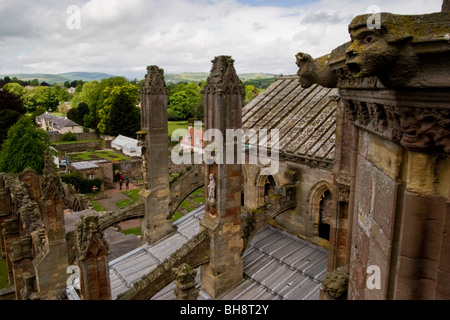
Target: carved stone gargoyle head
[(312, 71), (384, 52)]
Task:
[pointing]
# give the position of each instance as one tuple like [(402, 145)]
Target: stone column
[(153, 137), (52, 262), (223, 110), (92, 256)]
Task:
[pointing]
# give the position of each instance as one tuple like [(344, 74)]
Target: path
[(114, 195)]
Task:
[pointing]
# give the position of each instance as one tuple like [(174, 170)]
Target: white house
[(50, 122)]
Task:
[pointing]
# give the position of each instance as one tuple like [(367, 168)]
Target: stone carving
[(185, 282), (223, 77), (385, 53), (212, 188), (315, 71), (335, 283), (418, 129), (385, 57), (154, 81), (424, 129), (389, 80), (344, 195), (87, 229)]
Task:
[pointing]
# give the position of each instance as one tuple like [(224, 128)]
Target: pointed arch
[(320, 199), (265, 185)]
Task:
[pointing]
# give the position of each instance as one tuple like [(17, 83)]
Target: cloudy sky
[(123, 37)]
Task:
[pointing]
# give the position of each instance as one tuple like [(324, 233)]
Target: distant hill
[(199, 76), (260, 79), (60, 78)]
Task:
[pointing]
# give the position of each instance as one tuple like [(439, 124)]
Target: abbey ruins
[(363, 185)]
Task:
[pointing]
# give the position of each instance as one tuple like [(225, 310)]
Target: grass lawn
[(96, 155), (198, 193), (176, 216), (173, 125), (134, 197), (97, 206), (135, 231)]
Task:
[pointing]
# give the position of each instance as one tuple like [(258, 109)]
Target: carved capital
[(415, 128)]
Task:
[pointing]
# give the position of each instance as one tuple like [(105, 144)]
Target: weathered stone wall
[(399, 221), (78, 146), (56, 136), (299, 221), (131, 169)]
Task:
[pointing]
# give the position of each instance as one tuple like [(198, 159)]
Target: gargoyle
[(392, 53), (385, 53), (315, 71)]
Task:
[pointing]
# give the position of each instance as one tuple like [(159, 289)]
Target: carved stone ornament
[(212, 189), (154, 83), (88, 229), (223, 77), (393, 79)]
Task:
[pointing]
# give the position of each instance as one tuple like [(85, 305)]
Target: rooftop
[(57, 122), (277, 265), (305, 118)]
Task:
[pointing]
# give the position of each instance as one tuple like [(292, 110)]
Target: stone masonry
[(393, 145), (155, 162), (223, 110)]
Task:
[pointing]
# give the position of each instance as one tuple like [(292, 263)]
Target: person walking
[(127, 182), (120, 184)]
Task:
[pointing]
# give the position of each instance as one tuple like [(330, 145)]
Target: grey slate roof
[(305, 118), (277, 266), (57, 122), (132, 266)]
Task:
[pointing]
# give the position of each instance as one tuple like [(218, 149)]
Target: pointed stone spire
[(92, 256), (223, 110), (155, 195)]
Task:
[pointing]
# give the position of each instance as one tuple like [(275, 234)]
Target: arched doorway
[(324, 215), (321, 210), (269, 186)]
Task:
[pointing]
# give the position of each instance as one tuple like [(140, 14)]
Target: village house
[(51, 122)]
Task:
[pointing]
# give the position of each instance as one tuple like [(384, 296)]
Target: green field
[(97, 155), (134, 197), (173, 125), (194, 200)]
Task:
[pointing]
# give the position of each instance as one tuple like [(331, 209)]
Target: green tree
[(15, 88), (77, 114), (251, 92), (183, 101), (119, 113), (10, 101), (69, 136), (45, 97), (25, 147), (7, 119)]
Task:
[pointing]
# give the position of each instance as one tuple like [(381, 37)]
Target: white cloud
[(123, 37)]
